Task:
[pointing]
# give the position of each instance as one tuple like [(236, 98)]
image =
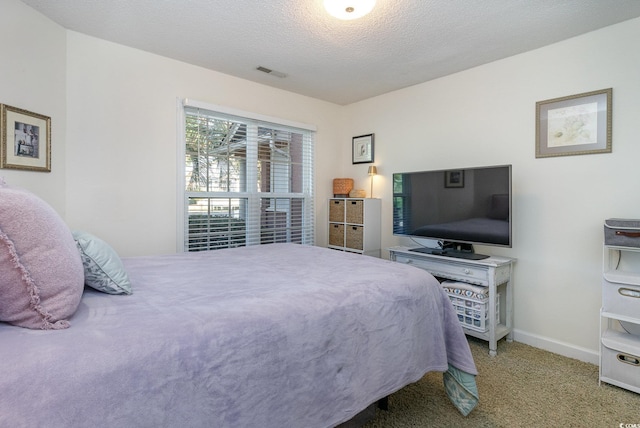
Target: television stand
[(446, 252), (492, 272)]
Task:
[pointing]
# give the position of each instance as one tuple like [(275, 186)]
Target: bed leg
[(383, 403)]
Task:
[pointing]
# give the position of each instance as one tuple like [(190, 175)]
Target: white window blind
[(247, 181)]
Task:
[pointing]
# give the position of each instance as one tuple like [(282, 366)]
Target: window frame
[(182, 197)]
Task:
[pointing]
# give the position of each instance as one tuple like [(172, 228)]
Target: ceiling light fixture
[(349, 9)]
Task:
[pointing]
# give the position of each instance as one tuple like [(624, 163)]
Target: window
[(246, 181)]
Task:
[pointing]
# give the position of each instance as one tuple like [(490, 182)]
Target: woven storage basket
[(342, 187), (336, 210), (354, 237), (336, 235), (354, 212)]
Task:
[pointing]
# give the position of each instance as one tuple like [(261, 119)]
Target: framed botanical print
[(574, 125)]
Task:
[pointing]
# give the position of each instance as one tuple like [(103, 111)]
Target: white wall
[(123, 134), (486, 116), (33, 78)]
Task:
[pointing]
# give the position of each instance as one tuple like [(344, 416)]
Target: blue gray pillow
[(103, 269)]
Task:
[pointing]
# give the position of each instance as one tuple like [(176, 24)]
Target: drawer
[(354, 237), (336, 210), (622, 232), (449, 270), (620, 359), (336, 235), (621, 299), (355, 211)]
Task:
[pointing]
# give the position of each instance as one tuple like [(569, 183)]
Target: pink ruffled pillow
[(41, 274)]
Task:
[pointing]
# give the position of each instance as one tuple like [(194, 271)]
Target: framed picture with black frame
[(362, 149), (454, 178)]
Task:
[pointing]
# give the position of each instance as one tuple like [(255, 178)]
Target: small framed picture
[(25, 139), (574, 125), (362, 149), (454, 178)]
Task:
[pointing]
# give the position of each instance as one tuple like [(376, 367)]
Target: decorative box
[(620, 360), (620, 296), (620, 232), (342, 187)]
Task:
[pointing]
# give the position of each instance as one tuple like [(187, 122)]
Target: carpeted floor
[(521, 387)]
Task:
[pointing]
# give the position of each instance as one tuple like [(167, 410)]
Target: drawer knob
[(466, 271), (627, 292)]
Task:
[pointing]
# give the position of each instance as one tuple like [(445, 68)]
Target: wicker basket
[(336, 210), (355, 212), (342, 187), (354, 237), (336, 235)]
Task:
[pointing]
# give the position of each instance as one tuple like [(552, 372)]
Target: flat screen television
[(454, 209)]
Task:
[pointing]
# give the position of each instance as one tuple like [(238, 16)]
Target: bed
[(271, 336)]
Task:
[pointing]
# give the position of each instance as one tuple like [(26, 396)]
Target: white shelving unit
[(620, 313), (354, 225), (496, 273)]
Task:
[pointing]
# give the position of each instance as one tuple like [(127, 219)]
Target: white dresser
[(620, 312), (495, 273)]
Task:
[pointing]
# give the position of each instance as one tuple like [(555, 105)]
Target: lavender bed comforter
[(279, 335)]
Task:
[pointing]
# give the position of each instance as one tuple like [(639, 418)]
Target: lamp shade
[(372, 171), (349, 9)]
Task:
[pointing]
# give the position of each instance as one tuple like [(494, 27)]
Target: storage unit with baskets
[(620, 312), (354, 225)]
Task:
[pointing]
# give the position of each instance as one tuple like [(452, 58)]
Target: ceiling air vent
[(270, 71)]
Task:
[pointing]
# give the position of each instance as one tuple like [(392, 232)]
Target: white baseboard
[(561, 348)]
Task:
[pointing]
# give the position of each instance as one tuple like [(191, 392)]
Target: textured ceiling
[(399, 44)]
